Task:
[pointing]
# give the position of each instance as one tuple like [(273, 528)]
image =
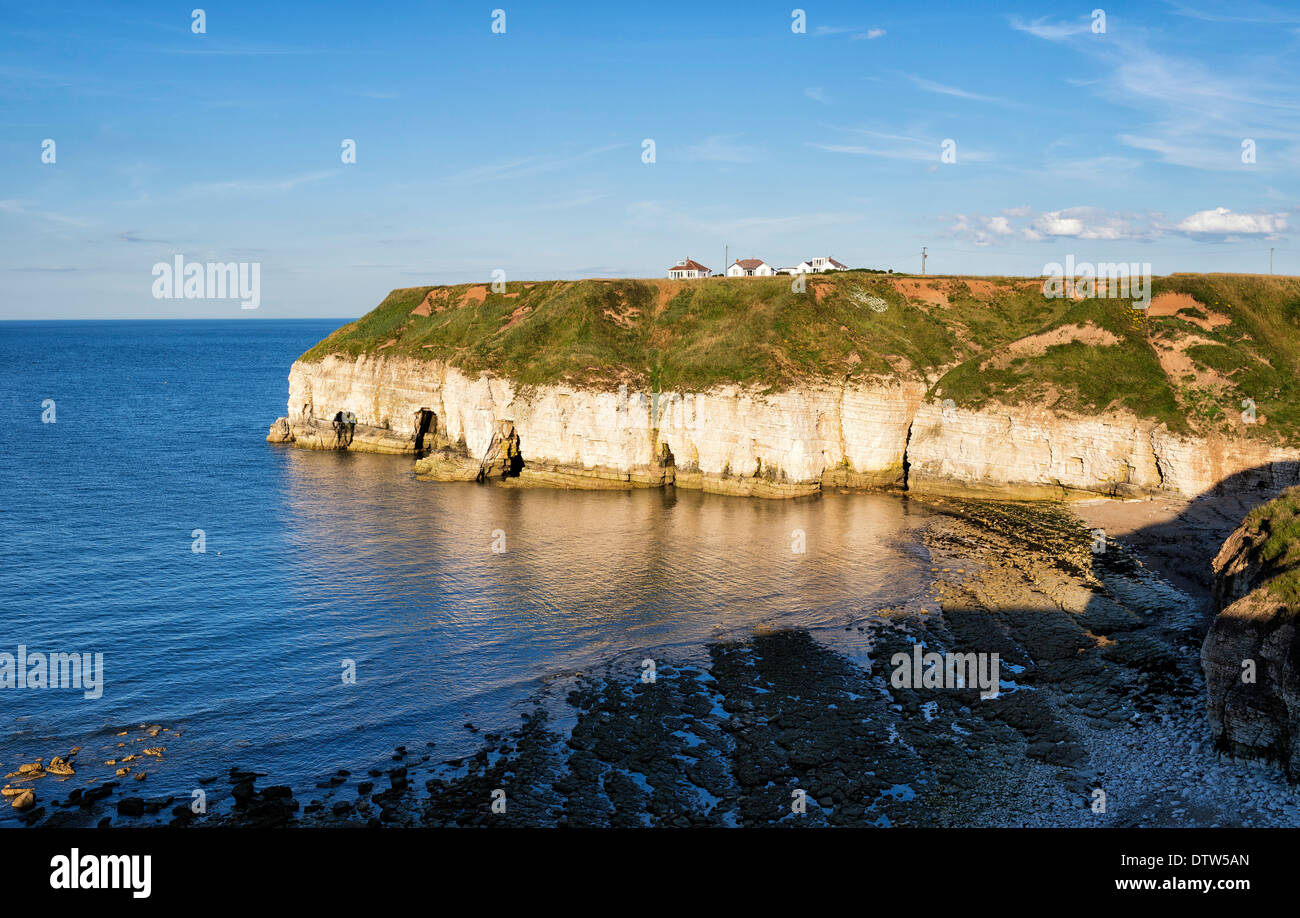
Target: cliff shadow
[(1179, 541)]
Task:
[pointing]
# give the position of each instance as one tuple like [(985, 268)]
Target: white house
[(749, 267), (816, 266), (687, 268)]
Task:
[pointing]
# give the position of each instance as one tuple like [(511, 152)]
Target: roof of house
[(836, 263), (688, 264), (750, 263)]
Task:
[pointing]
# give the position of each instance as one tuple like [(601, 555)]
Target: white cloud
[(1092, 223), (1220, 220), (1097, 224), (869, 34), (980, 229), (817, 94)]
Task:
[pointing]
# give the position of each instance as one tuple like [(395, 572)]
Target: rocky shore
[(1100, 720)]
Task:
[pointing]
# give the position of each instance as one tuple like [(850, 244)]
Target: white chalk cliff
[(744, 441)]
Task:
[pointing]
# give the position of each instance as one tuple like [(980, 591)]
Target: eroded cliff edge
[(747, 386)]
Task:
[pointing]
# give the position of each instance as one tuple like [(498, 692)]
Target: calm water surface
[(316, 558)]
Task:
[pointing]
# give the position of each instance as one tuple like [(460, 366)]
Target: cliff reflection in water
[(405, 573)]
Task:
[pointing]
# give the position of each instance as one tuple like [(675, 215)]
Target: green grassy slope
[(1273, 530), (1207, 344), (1216, 340)]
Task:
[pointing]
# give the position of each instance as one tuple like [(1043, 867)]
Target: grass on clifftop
[(1207, 343), (1208, 349), (1276, 527), (688, 334)]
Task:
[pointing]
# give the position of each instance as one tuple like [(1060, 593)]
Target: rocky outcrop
[(1251, 655), (738, 440)]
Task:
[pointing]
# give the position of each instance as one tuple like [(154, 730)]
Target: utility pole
[(923, 256), (1270, 260), (726, 256)]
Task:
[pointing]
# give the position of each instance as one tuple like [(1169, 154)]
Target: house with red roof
[(688, 268), (749, 267)]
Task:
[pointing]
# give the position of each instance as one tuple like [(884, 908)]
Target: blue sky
[(522, 151)]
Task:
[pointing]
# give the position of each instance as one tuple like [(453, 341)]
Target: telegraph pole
[(1270, 260), (923, 256)]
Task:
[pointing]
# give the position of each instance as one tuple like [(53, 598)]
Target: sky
[(1001, 138)]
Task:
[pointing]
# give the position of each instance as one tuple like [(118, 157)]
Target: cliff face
[(734, 439), (1251, 655), (728, 439), (1038, 451)]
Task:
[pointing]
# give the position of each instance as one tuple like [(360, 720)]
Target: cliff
[(1251, 655), (748, 386)]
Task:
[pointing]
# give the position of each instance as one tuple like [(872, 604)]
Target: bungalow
[(816, 266), (686, 268), (750, 267)]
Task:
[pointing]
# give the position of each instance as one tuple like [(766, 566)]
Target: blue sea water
[(317, 558)]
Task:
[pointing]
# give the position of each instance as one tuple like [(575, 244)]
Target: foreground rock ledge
[(1251, 656)]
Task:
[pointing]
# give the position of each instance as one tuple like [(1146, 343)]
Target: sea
[(297, 612)]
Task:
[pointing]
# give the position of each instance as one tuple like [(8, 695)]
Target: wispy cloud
[(260, 185), (240, 52), (722, 148), (133, 236), (527, 165), (18, 209), (817, 94), (1051, 31), (752, 227), (855, 33), (900, 147), (1193, 114), (956, 92), (1237, 11)]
